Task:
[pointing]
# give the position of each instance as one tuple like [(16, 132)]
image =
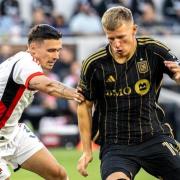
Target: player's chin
[(49, 68)]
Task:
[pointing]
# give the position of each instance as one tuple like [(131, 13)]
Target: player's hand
[(83, 162), (79, 89), (175, 68), (78, 97)]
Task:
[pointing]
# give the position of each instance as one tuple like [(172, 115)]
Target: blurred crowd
[(153, 18)]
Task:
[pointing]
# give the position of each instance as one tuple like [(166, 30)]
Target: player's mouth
[(119, 51), (51, 63)]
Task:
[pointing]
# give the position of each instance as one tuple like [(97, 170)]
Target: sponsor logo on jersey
[(110, 79), (142, 87)]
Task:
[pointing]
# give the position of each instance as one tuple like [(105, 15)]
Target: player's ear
[(135, 27), (32, 47)]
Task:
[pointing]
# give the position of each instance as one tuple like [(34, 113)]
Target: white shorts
[(17, 151)]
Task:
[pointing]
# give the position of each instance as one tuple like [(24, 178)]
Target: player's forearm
[(60, 90), (84, 123), (54, 88)]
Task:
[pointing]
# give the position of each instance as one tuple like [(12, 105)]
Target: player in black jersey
[(121, 84)]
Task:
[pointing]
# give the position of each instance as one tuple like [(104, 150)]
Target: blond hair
[(115, 17)]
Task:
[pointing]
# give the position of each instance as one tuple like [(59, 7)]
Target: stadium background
[(54, 120)]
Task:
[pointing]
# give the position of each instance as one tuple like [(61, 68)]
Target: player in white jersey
[(20, 77)]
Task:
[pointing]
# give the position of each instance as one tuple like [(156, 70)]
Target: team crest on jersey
[(142, 66)]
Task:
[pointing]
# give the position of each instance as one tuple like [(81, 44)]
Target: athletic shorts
[(17, 151), (159, 156)]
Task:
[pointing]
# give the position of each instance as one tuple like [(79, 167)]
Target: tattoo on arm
[(62, 89)]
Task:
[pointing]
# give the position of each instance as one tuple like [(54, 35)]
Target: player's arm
[(170, 61), (84, 112), (54, 88)]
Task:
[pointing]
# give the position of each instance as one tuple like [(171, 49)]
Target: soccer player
[(21, 76), (120, 83)]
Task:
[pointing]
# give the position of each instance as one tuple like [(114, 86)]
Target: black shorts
[(159, 156)]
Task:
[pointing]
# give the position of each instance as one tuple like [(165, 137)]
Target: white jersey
[(15, 74)]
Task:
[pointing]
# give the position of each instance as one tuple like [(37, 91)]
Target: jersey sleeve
[(163, 53), (87, 81), (25, 69)]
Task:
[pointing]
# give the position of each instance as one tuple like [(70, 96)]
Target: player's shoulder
[(17, 58), (98, 55), (149, 42), (23, 55), (23, 60), (89, 62)]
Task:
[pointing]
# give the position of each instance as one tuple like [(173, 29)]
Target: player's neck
[(124, 59)]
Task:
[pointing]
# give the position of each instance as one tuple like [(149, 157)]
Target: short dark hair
[(42, 32)]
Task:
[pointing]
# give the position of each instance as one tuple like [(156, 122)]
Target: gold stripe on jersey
[(144, 38), (96, 136), (110, 51), (159, 107), (158, 87), (150, 73), (159, 121), (92, 58), (178, 146), (129, 105), (140, 111), (116, 76), (105, 119), (171, 131), (93, 55), (153, 42), (160, 56), (168, 146)]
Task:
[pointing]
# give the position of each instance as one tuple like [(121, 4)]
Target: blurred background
[(54, 120)]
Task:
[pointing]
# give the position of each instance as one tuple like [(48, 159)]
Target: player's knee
[(58, 173), (62, 173)]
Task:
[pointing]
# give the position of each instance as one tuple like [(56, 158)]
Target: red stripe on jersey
[(2, 108), (31, 76), (12, 106)]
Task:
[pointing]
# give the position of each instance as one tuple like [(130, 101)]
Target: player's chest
[(122, 74)]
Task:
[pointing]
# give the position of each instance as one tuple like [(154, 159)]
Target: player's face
[(122, 40), (47, 52)]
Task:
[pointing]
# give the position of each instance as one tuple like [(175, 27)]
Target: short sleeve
[(87, 81), (163, 53), (25, 69)]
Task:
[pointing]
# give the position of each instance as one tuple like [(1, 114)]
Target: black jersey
[(125, 95)]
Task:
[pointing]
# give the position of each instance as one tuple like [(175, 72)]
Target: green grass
[(69, 158)]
